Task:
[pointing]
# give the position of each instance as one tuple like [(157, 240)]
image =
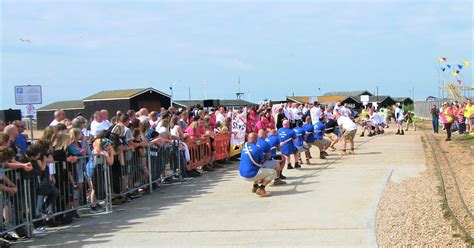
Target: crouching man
[(252, 166)]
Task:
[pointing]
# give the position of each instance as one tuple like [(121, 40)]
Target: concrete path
[(328, 203)]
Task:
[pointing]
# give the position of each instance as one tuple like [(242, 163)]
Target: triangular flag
[(449, 66), (457, 72), (465, 63), (454, 73), (444, 69), (459, 81), (460, 67), (444, 58)]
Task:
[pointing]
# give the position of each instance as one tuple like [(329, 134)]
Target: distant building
[(403, 100), (45, 114), (111, 100), (228, 103)]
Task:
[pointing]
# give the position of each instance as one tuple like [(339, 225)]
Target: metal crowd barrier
[(70, 187), (90, 181), (14, 205)]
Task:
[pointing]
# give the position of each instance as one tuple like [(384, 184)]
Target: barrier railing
[(62, 188), (67, 187), (14, 202)]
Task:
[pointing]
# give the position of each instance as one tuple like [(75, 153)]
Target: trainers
[(370, 135), (362, 135), (402, 133), (297, 165), (282, 177), (325, 153), (351, 152), (11, 236), (289, 167), (278, 181), (321, 156), (39, 230), (254, 188), (447, 140), (262, 193)]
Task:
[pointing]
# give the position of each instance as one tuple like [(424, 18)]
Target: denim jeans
[(435, 123)]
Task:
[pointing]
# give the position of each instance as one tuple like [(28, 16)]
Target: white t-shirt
[(346, 123), (106, 124), (220, 117), (315, 113), (97, 128), (175, 131), (54, 123), (297, 114), (288, 114), (399, 114), (345, 111)]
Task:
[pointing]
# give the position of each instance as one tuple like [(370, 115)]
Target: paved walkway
[(328, 203)]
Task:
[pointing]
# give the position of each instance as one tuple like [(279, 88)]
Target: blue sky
[(276, 47)]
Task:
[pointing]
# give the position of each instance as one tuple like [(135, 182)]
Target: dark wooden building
[(111, 100), (382, 101), (45, 114), (404, 100), (228, 103), (123, 100)]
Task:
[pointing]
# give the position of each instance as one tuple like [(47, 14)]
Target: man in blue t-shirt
[(286, 137), (269, 161), (309, 129), (252, 168), (299, 143), (273, 142), (321, 142)]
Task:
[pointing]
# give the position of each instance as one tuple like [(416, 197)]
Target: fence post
[(108, 193), (150, 176), (28, 208)]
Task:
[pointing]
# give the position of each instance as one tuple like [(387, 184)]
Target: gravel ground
[(410, 213)]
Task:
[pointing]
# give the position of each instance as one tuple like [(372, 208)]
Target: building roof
[(121, 94), (348, 93), (65, 105), (401, 98), (379, 98), (331, 99), (300, 99), (222, 102)]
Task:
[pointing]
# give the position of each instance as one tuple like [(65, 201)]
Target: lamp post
[(171, 98)]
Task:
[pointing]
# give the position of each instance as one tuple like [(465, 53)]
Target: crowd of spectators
[(455, 117)]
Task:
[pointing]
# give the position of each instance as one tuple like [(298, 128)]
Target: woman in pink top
[(270, 120), (252, 119), (447, 117), (261, 124)]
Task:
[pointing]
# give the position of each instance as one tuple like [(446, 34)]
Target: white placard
[(28, 94), (364, 98)]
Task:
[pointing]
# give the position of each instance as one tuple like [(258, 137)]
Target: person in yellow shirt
[(469, 116)]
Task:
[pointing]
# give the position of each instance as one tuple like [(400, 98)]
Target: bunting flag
[(465, 63), (457, 71), (444, 69), (449, 66), (459, 81), (454, 73), (442, 59), (460, 67)]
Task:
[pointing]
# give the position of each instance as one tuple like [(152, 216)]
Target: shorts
[(270, 164), (322, 144), (349, 135), (331, 136), (263, 174), (471, 121), (400, 122), (300, 148)]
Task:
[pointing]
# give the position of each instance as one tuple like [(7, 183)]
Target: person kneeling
[(252, 166)]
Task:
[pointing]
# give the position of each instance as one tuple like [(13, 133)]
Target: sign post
[(29, 95)]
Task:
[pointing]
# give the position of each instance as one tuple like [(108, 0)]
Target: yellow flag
[(465, 63), (454, 73), (440, 59)]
